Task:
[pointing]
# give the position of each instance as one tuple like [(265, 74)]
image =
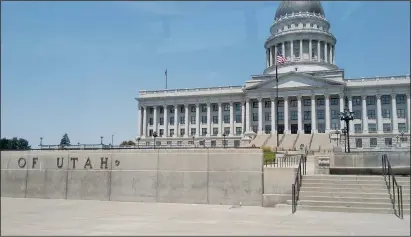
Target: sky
[(76, 67)]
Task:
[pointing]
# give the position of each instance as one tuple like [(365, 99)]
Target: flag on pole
[(279, 58)]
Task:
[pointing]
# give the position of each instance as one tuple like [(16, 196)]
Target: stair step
[(353, 177), (374, 199), (335, 189), (307, 194), (386, 204), (341, 209), (345, 185), (338, 181)]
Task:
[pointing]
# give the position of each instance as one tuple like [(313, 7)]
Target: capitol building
[(312, 91)]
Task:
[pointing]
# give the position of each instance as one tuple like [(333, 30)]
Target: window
[(172, 120), (293, 103), (321, 128), (267, 116), (161, 110), (255, 117), (320, 102), (281, 103), (358, 128), (401, 113), (294, 115), (254, 104), (171, 110), (268, 128), (321, 114), (171, 132), (202, 143), (150, 121), (356, 101), (169, 142), (182, 109), (204, 119), (226, 118), (372, 127), (182, 120), (335, 114), (193, 131), (238, 130), (386, 113), (358, 142), (385, 100), (237, 107), (280, 116), (215, 107), (402, 127), (182, 131), (227, 130), (151, 111), (267, 104), (387, 127), (226, 107), (306, 102), (161, 132), (193, 119), (190, 142), (357, 114), (371, 114), (370, 100), (204, 131), (334, 101), (215, 131), (388, 141), (335, 126), (400, 99), (192, 108), (238, 118), (161, 121), (213, 143), (373, 142), (215, 119), (306, 115), (204, 108)]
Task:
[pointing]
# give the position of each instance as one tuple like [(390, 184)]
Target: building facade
[(312, 92)]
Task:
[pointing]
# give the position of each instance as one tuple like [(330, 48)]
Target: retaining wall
[(202, 176)]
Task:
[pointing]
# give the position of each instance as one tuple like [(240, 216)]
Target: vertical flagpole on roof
[(166, 77)]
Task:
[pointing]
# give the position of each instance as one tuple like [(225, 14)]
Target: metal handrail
[(395, 190), (298, 182)]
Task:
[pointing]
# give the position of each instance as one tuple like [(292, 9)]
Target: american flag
[(279, 58)]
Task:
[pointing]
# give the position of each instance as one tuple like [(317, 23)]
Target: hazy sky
[(76, 67)]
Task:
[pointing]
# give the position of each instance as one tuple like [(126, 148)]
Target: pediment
[(295, 80)]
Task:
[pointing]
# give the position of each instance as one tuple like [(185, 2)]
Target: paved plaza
[(72, 217)]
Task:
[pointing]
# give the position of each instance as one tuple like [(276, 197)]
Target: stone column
[(176, 121), (301, 50), (248, 115), (330, 53), (260, 111), (283, 50), (327, 114), (187, 122), (310, 50), (333, 54), (144, 133), (243, 117), (231, 118), (326, 51), (394, 115), (219, 122), (341, 108), (318, 51), (209, 120), (364, 115), (165, 122), (267, 57), (155, 119), (408, 111), (270, 57), (286, 115), (139, 121), (276, 53), (292, 56), (351, 125), (299, 99), (379, 114), (273, 115), (313, 113), (198, 133)]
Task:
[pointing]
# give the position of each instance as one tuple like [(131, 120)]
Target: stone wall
[(204, 176)]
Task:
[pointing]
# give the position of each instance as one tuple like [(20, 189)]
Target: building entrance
[(307, 128), (281, 128), (294, 128)]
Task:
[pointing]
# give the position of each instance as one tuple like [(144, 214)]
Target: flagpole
[(277, 106), (166, 78)]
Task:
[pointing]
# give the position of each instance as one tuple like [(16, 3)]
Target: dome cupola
[(289, 7)]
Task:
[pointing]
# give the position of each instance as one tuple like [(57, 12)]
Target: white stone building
[(311, 95)]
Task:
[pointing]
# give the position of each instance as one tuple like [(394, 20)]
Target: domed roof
[(288, 7)]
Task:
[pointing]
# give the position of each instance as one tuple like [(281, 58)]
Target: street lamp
[(193, 140), (41, 142), (101, 140), (138, 140), (344, 133), (337, 133), (204, 142), (154, 139), (347, 116), (112, 139), (397, 140), (224, 140)]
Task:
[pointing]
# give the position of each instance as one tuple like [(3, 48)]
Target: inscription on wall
[(22, 162)]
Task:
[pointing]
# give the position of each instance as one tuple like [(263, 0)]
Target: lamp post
[(347, 116), (204, 142), (224, 140), (193, 140), (154, 139), (397, 140), (112, 139), (41, 142), (101, 140), (344, 133), (138, 140), (337, 140)]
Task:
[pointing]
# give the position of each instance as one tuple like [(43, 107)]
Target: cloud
[(352, 7)]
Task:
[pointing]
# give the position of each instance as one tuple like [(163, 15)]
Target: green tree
[(127, 143), (14, 144), (65, 141)]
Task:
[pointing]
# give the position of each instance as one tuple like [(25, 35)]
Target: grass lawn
[(269, 155)]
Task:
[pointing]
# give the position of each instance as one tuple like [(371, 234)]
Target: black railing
[(298, 182), (395, 190), (283, 162)]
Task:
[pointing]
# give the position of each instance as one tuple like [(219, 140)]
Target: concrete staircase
[(272, 141), (303, 139), (259, 140), (288, 141), (348, 193), (321, 140)]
